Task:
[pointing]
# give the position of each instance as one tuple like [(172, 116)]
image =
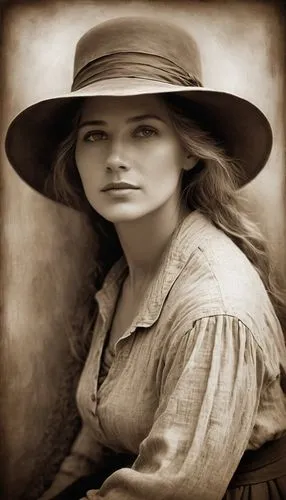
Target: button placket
[(94, 364), (105, 301)]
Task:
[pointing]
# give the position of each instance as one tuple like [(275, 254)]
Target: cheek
[(80, 160), (166, 158), (87, 163)]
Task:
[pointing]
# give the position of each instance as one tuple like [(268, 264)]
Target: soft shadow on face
[(128, 140)]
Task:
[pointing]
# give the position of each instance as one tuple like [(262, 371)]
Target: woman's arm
[(86, 454), (210, 392)]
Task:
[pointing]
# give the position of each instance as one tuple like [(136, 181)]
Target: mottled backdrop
[(46, 249)]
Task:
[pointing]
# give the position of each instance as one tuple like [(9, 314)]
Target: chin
[(118, 215), (119, 218)]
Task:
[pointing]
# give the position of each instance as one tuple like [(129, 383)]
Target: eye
[(95, 135), (145, 132)]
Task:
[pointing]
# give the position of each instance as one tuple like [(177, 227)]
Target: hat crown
[(139, 35)]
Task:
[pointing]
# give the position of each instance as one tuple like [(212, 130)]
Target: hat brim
[(241, 128)]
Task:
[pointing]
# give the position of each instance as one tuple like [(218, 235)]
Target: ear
[(190, 162)]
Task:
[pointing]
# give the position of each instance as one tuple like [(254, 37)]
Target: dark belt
[(264, 464)]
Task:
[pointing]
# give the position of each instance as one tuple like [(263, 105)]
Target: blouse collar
[(184, 241)]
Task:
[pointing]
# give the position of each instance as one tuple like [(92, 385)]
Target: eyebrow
[(129, 120)]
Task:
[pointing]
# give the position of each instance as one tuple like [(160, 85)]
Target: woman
[(181, 395)]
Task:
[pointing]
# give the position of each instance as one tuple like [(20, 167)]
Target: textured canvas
[(47, 250)]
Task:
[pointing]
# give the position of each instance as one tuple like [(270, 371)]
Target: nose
[(117, 159)]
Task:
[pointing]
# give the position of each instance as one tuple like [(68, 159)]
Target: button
[(92, 397)]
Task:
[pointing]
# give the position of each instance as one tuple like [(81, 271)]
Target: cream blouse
[(192, 384)]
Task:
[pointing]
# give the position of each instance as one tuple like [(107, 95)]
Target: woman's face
[(128, 140)]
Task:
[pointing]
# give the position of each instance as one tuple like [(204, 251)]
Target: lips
[(118, 186)]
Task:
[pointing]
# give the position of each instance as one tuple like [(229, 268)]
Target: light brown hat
[(134, 56)]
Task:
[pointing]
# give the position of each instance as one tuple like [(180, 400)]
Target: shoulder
[(219, 279)]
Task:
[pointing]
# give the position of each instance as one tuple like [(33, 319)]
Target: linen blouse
[(193, 383)]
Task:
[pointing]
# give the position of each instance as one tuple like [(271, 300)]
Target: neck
[(144, 240)]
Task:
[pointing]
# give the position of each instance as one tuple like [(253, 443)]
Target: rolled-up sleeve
[(209, 393), (85, 457)]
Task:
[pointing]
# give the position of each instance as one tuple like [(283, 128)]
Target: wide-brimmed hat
[(135, 56)]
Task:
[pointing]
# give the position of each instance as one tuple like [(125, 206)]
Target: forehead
[(108, 108)]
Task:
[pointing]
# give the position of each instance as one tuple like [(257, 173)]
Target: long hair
[(211, 187)]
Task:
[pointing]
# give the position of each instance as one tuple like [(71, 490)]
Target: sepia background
[(47, 249)]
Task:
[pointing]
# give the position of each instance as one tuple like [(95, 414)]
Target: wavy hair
[(211, 187)]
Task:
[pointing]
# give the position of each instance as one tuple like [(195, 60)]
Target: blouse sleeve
[(209, 395), (85, 457)]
